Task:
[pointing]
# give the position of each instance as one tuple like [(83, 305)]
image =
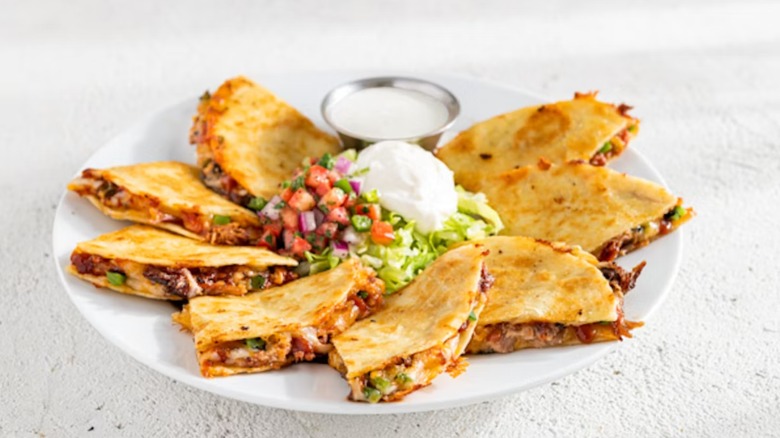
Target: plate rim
[(201, 383)]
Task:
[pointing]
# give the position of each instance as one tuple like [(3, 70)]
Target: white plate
[(143, 329)]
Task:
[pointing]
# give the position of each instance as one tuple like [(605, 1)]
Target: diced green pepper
[(632, 128), (258, 282), (371, 394), (380, 383), (257, 203), (116, 278), (403, 378), (344, 185), (472, 316), (220, 219), (677, 213), (361, 223), (606, 148), (255, 343), (370, 196), (362, 294)]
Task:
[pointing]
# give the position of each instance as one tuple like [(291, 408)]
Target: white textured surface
[(704, 77)]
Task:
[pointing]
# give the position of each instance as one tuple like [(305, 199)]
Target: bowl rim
[(344, 89)]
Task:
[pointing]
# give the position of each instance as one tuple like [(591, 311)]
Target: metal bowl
[(427, 141)]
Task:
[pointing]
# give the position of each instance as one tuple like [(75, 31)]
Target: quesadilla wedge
[(168, 195), (145, 261), (249, 141), (606, 212), (272, 329), (420, 333), (579, 129), (549, 294)]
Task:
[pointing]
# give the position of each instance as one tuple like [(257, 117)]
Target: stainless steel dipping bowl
[(427, 141)]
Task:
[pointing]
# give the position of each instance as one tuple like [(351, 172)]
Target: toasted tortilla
[(575, 203), (544, 293), (256, 138), (426, 315), (290, 309), (131, 250), (559, 132), (166, 187)]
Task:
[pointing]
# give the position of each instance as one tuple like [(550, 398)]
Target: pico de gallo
[(322, 217)]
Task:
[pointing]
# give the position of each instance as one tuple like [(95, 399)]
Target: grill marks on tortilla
[(255, 138), (576, 203), (560, 132)]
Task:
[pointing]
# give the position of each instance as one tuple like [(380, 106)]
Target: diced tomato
[(317, 242), (382, 233), (334, 198), (317, 176), (351, 200), (333, 176), (268, 240), (274, 228), (300, 246), (302, 200), (288, 238), (328, 229), (371, 210), (289, 218), (338, 215), (286, 194), (322, 189)]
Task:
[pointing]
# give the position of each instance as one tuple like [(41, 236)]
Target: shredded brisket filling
[(613, 148), (640, 236), (217, 180), (190, 282)]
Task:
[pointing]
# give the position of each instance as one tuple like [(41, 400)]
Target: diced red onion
[(270, 211), (343, 165), (319, 216), (351, 236), (307, 222), (355, 184), (340, 249)]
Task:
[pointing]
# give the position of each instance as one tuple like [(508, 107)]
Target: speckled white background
[(704, 77)]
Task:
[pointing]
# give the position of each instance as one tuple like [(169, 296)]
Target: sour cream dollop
[(410, 181)]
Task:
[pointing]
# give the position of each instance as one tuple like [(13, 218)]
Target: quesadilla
[(579, 129), (549, 294), (420, 333), (271, 329), (607, 213), (249, 141), (145, 261), (168, 195)]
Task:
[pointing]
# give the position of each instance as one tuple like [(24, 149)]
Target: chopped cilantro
[(327, 161)]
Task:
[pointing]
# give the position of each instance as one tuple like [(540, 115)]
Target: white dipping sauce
[(389, 113), (410, 181)]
